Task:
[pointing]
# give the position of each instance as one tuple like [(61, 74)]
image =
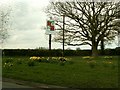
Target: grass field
[(76, 72)]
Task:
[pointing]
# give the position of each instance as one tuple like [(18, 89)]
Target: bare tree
[(87, 23)]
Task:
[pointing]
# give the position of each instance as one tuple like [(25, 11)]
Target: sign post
[(50, 42), (63, 33), (50, 31)]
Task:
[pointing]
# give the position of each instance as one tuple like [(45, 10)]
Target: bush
[(55, 52)]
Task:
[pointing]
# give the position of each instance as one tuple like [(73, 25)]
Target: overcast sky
[(28, 18)]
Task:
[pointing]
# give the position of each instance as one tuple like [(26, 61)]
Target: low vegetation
[(74, 72)]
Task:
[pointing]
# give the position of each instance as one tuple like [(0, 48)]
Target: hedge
[(55, 52)]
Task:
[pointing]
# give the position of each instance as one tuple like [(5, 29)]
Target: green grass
[(79, 72)]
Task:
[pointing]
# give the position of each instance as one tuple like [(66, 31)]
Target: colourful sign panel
[(50, 25)]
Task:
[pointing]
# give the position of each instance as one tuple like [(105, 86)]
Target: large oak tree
[(87, 23)]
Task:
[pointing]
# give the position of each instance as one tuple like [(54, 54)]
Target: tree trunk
[(102, 47), (94, 49)]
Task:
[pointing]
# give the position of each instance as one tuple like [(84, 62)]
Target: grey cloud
[(26, 18)]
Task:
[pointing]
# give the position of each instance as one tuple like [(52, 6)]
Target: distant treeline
[(56, 52)]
